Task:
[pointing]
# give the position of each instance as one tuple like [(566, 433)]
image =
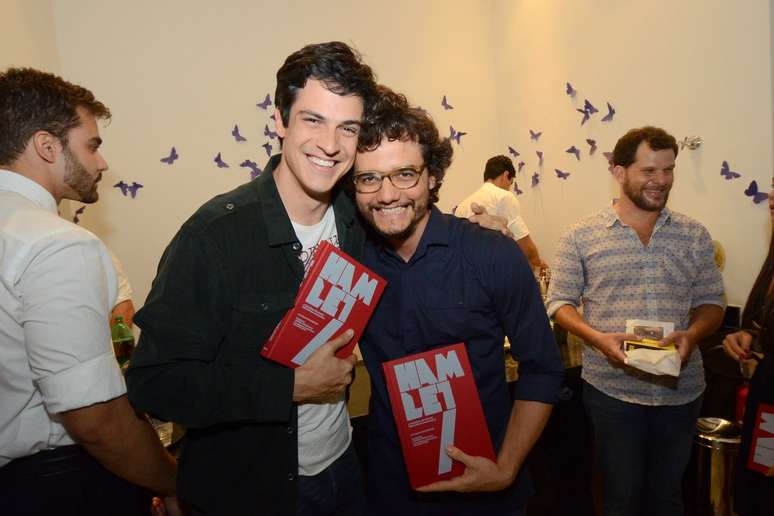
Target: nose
[(328, 141), (388, 193), (101, 163)]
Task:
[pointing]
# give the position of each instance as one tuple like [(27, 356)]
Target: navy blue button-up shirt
[(463, 284)]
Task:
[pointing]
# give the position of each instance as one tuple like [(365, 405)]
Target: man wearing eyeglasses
[(447, 281), (496, 197)]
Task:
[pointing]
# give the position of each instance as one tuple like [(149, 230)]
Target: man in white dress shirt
[(69, 440), (496, 198)]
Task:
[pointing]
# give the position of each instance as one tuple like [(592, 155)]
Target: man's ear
[(280, 126), (619, 173), (45, 145)]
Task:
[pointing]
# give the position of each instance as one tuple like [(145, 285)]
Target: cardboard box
[(435, 403), (338, 293)]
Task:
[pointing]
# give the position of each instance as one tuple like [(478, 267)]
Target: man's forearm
[(124, 443), (530, 250), (568, 318), (528, 418)]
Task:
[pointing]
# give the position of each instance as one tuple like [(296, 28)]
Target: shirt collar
[(611, 217), (436, 233), (17, 183), (279, 228)]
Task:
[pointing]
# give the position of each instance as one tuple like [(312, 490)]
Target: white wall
[(27, 37), (184, 72)]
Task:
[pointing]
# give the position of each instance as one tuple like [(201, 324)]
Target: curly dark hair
[(392, 117), (335, 64), (32, 101), (496, 165), (625, 150)]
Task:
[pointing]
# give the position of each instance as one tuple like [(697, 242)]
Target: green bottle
[(123, 341)]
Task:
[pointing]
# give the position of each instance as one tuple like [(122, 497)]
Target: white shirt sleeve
[(67, 294), (508, 207), (124, 287)]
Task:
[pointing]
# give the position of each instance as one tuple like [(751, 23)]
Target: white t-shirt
[(57, 287), (497, 201), (124, 287), (324, 432)]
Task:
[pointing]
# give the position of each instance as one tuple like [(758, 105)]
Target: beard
[(641, 201), (394, 234), (79, 179)]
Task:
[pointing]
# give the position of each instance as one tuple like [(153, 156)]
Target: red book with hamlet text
[(338, 293), (435, 403)]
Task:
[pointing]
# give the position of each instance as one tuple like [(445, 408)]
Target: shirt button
[(229, 205), (290, 429), (296, 246), (291, 476), (264, 306)]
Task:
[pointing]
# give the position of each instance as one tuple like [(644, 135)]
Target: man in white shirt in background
[(496, 197), (124, 306), (70, 443)]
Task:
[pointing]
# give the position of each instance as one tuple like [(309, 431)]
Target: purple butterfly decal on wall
[(513, 152), (592, 146), (752, 191), (588, 110), (445, 104), (265, 103), (534, 136), (78, 212), (268, 132), (219, 162), (238, 137), (122, 186), (585, 115), (540, 158), (253, 166), (609, 157), (560, 174), (574, 150), (456, 135), (570, 90), (520, 166), (268, 148), (726, 171), (133, 188), (610, 113), (535, 179), (171, 158), (516, 189)]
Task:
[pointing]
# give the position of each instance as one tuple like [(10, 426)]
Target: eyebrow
[(318, 115)]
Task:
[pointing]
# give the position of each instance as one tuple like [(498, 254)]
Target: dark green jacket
[(223, 283)]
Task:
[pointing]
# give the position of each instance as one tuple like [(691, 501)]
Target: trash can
[(716, 447)]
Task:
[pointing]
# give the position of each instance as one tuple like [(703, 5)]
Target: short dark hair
[(625, 151), (32, 101), (497, 165), (392, 117), (335, 64)]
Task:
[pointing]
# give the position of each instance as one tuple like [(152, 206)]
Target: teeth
[(393, 211), (322, 162)]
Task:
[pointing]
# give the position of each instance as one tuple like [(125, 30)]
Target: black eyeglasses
[(402, 178)]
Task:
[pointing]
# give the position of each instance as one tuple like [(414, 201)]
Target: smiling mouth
[(325, 163), (392, 210)]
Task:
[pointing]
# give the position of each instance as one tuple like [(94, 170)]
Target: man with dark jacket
[(262, 438)]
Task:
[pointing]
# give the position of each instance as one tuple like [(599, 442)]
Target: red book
[(338, 293), (762, 447), (435, 403)]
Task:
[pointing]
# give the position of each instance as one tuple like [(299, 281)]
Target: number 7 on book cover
[(435, 403)]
